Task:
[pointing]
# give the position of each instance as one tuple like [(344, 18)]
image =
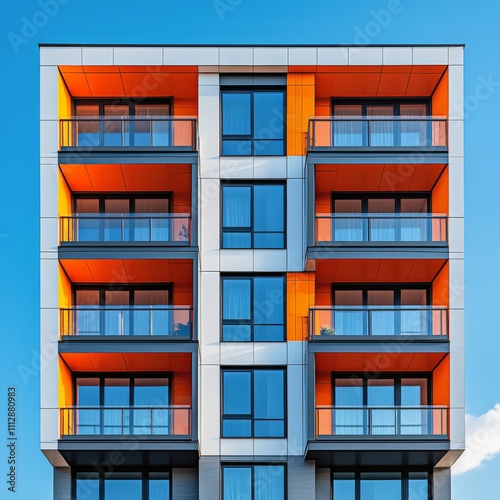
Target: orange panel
[(70, 69), (64, 108), (77, 84), (425, 176), (441, 383), (77, 362), (355, 85), (440, 194), (77, 177), (422, 84), (106, 177), (362, 178), (393, 84), (65, 391), (441, 287), (105, 84), (299, 297), (424, 271), (64, 289), (389, 272), (64, 195), (440, 98)]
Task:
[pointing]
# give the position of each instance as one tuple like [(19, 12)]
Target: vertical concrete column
[(62, 483)]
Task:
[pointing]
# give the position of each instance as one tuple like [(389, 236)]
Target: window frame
[(144, 471), (130, 196), (389, 195), (397, 288), (250, 322), (250, 229), (252, 370), (130, 102), (404, 471), (251, 465), (249, 89)]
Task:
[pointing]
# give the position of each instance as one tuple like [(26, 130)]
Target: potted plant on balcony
[(327, 330)]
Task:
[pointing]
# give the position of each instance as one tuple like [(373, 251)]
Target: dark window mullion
[(252, 307)]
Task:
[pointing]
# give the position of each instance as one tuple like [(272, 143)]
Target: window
[(253, 482), (117, 405), (381, 486), (253, 216), (115, 123), (253, 122), (375, 217), (253, 308), (253, 403), (91, 485), (123, 218), (381, 123), (381, 406)]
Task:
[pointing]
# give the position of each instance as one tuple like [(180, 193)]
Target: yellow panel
[(63, 99), (64, 292)]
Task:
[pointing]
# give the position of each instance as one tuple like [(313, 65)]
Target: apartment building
[(252, 267)]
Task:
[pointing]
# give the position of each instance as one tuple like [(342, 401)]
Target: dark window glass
[(253, 123), (344, 486), (253, 216), (253, 482), (253, 308), (87, 486), (253, 403)]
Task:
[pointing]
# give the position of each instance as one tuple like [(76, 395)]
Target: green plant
[(327, 330), (182, 329)]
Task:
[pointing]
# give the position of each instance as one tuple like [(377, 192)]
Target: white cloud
[(482, 440)]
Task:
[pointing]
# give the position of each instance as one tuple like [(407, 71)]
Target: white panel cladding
[(180, 56), (430, 55), (209, 318), (456, 234), (236, 447), (141, 56), (269, 167), (295, 353), (49, 331), (269, 261), (54, 56), (208, 56), (456, 186), (48, 282), (236, 353), (295, 225), (270, 353), (49, 134), (208, 124), (97, 56), (456, 92), (209, 216), (48, 84), (295, 406), (455, 138), (330, 56), (236, 56), (456, 55), (295, 167), (306, 56), (397, 56), (49, 190), (209, 410), (49, 424), (49, 234), (237, 167), (270, 56), (270, 447), (457, 286), (365, 56), (236, 261)]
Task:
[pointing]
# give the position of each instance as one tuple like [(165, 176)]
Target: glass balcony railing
[(381, 421), (376, 227), (377, 131), (128, 321), (334, 322), (126, 228), (168, 421), (97, 132)]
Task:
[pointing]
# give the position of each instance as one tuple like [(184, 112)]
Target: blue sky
[(244, 21)]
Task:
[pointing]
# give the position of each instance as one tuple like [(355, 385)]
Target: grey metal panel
[(323, 484), (311, 396), (127, 252), (185, 484), (441, 484), (400, 252), (381, 157), (72, 344), (385, 344), (252, 80), (62, 483), (209, 478), (124, 155), (301, 479)]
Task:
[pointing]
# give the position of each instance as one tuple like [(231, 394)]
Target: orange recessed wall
[(300, 107), (299, 298)]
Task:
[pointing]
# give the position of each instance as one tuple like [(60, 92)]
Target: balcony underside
[(126, 155), (331, 250), (148, 250), (378, 155), (376, 344), (129, 451), (70, 344), (377, 452)]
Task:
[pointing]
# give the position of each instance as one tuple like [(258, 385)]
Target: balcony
[(172, 323), (379, 422), (168, 421), (107, 133), (378, 323), (168, 229), (377, 133), (381, 229)]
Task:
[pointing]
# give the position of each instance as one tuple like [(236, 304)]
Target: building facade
[(252, 267)]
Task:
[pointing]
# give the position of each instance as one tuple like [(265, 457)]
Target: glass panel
[(345, 321), (415, 321), (87, 394), (269, 208), (349, 228), (414, 131), (344, 486), (117, 396), (159, 489), (87, 297), (87, 229), (236, 301), (151, 297), (382, 229), (418, 486), (237, 483), (87, 486), (155, 132), (237, 393), (268, 115), (116, 125), (414, 394), (237, 428), (348, 132), (236, 240), (123, 486), (380, 131), (414, 205), (268, 148), (349, 392), (87, 130), (268, 240), (236, 206), (268, 300), (375, 486), (115, 229), (348, 297), (381, 392), (269, 394), (237, 333), (382, 322), (151, 392), (268, 333), (235, 147), (236, 118), (87, 319), (269, 482)]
